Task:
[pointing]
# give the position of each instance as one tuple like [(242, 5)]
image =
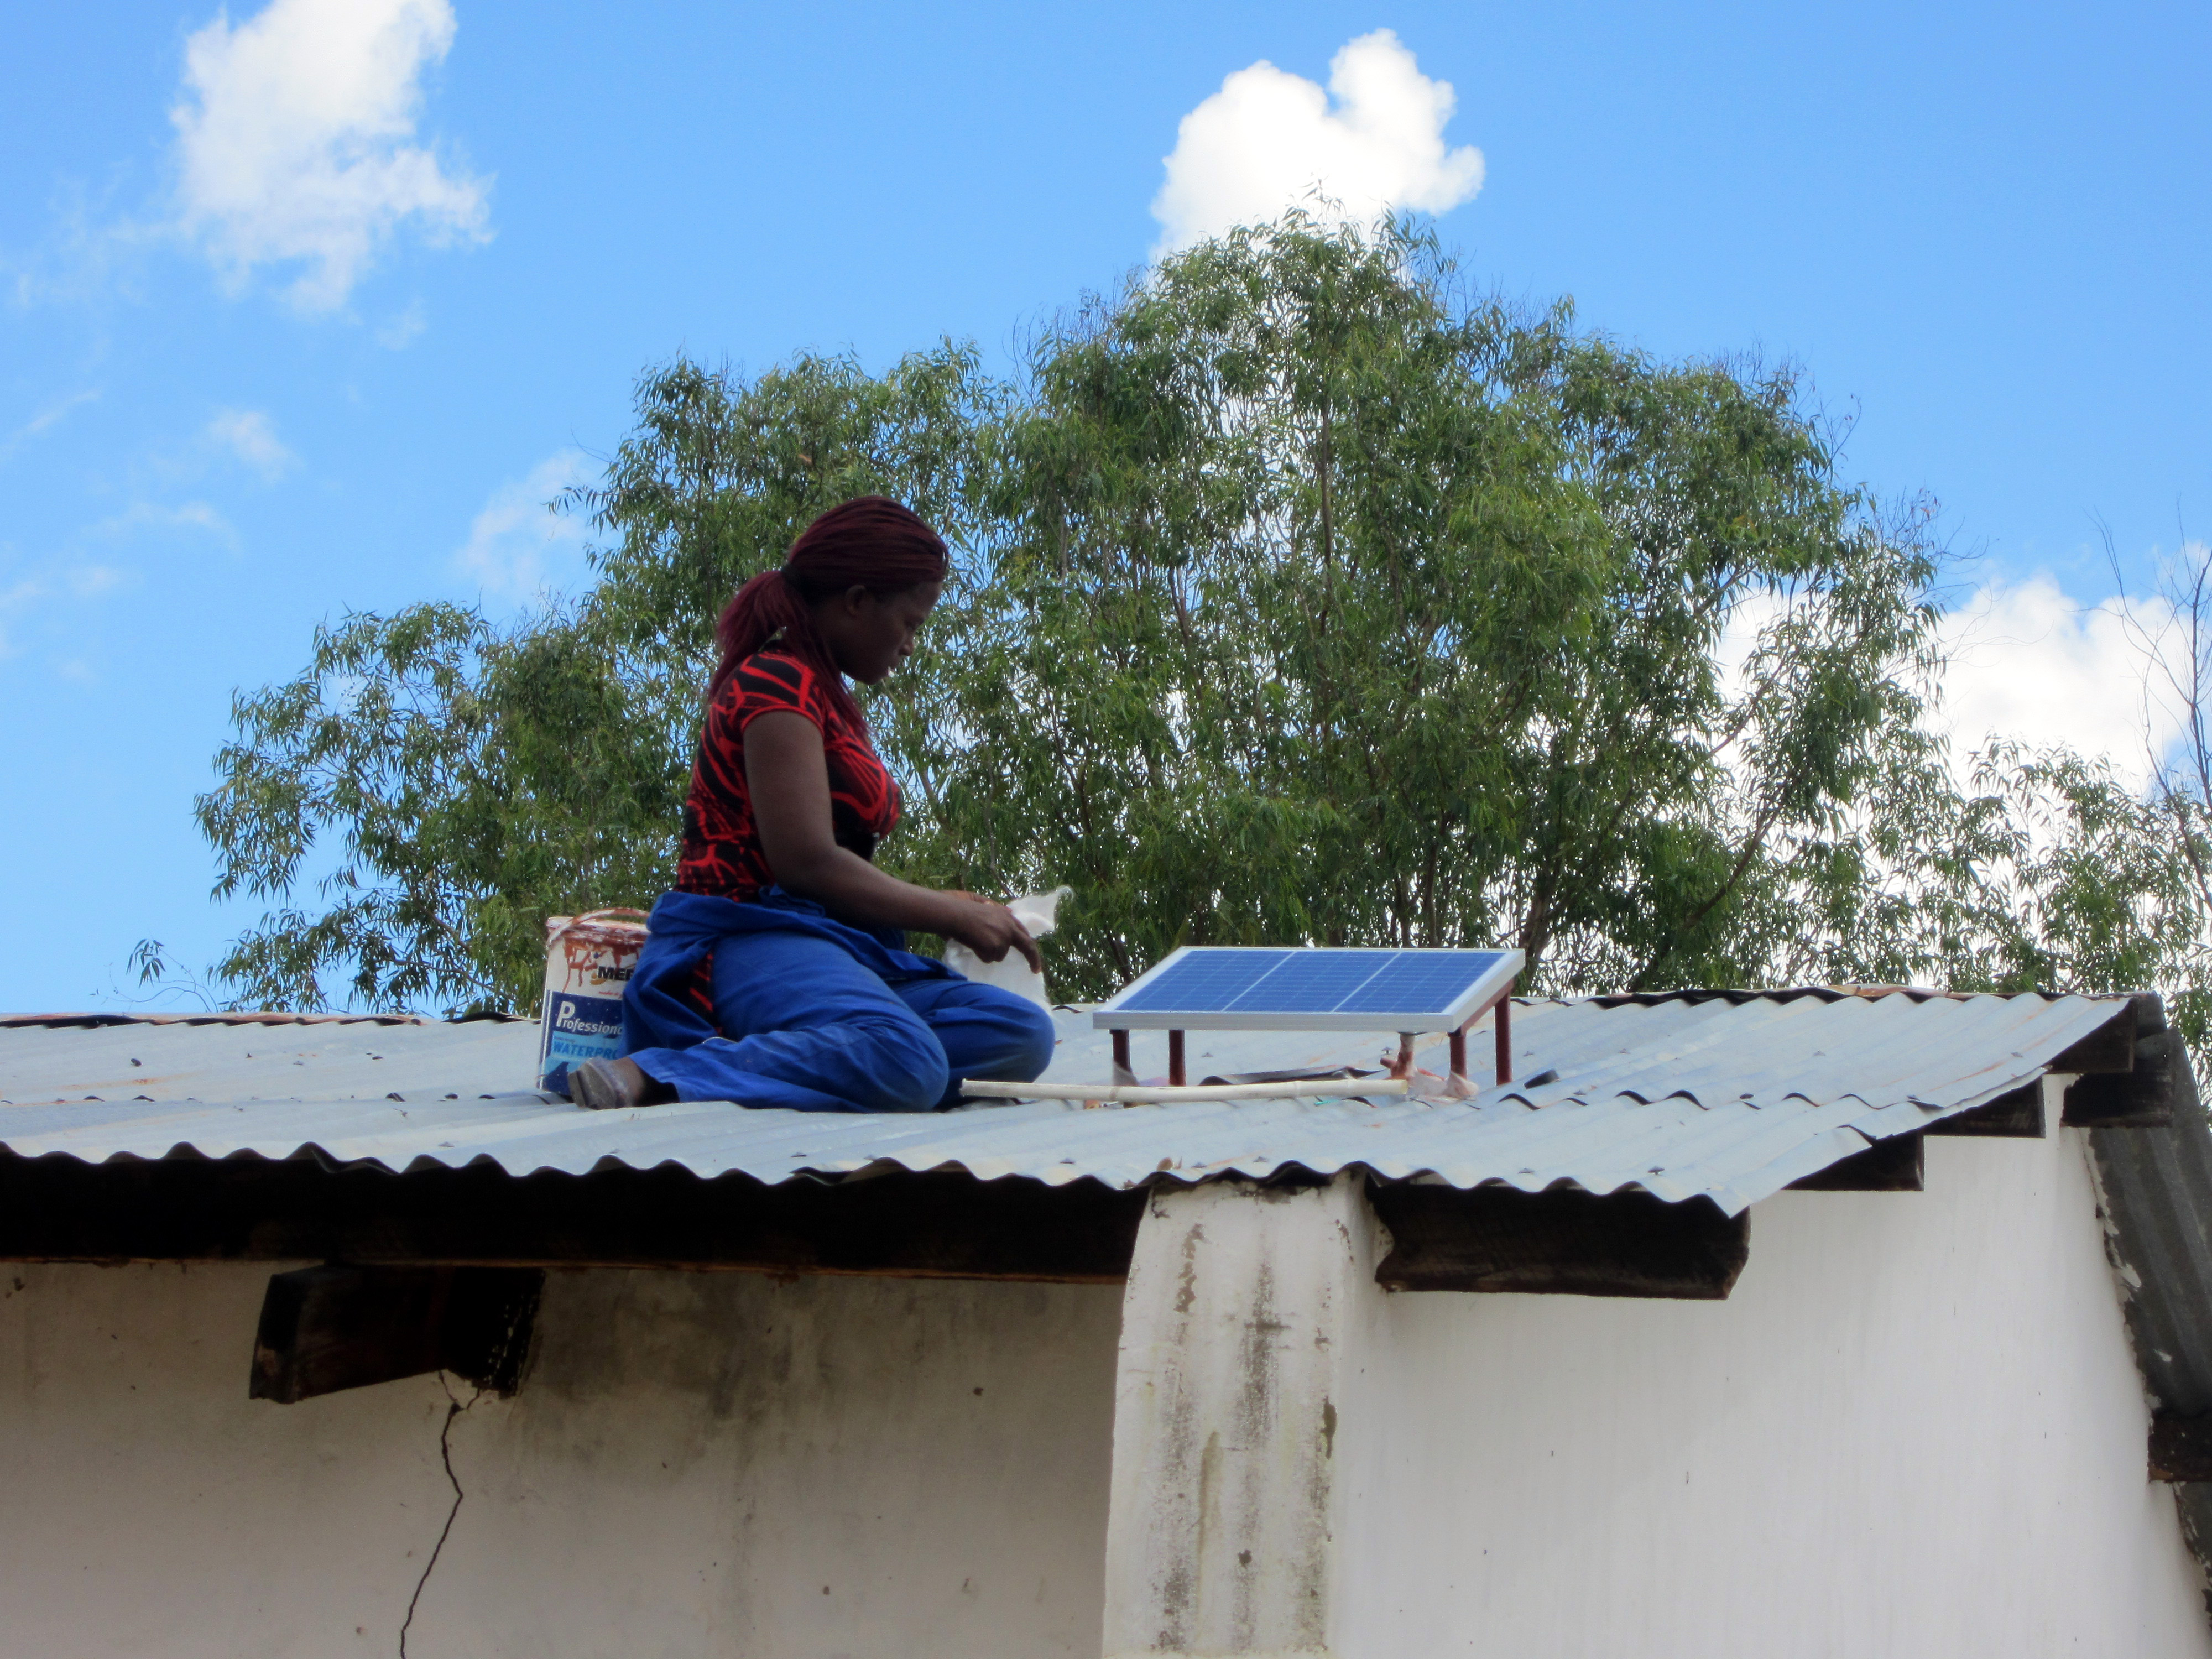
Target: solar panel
[(1202, 979), (1320, 979), (1241, 987)]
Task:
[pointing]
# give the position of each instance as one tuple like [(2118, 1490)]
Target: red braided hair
[(870, 542)]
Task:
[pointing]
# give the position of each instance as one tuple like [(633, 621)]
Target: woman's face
[(869, 634)]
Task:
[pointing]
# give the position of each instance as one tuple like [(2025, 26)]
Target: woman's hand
[(989, 930)]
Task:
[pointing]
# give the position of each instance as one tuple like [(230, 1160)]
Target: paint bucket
[(588, 962)]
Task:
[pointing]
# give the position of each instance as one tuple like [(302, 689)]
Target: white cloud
[(400, 331), (15, 598), (295, 140), (37, 598), (248, 435), (49, 417), (1268, 139), (19, 597), (187, 515), (52, 414), (2028, 662), (517, 546), (93, 247)]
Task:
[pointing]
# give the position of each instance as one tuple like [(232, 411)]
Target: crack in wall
[(454, 1409)]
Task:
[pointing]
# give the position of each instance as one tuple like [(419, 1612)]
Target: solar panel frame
[(1116, 1014)]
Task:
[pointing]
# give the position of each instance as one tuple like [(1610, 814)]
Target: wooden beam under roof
[(1898, 1165), (326, 1328), (2017, 1114), (1564, 1242), (945, 1224), (2161, 1081)]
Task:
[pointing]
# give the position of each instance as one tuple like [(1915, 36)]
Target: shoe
[(607, 1086)]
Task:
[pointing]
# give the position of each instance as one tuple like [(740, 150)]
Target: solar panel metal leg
[(1121, 1072), (1175, 1059), (1457, 1085), (1403, 1066), (1506, 1036)]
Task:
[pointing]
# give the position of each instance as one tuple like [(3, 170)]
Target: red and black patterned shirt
[(721, 845)]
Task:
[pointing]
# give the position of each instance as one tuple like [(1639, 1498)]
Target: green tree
[(1325, 605), (478, 779), (1300, 597), (2084, 882)]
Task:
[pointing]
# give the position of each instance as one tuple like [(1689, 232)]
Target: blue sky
[(237, 397)]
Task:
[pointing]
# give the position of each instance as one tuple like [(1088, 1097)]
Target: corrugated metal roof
[(2155, 1186), (295, 1059), (1681, 1097)]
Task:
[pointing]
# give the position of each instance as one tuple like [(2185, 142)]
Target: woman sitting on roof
[(775, 973)]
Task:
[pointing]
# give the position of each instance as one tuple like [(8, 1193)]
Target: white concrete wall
[(697, 1464), (1914, 1432), (1226, 1517)]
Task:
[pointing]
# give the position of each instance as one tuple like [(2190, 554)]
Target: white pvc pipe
[(1140, 1094)]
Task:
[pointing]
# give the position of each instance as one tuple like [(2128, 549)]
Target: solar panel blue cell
[(1426, 982), (1312, 983), (1205, 981)]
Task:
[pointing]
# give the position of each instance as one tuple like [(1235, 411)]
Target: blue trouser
[(807, 1027)]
